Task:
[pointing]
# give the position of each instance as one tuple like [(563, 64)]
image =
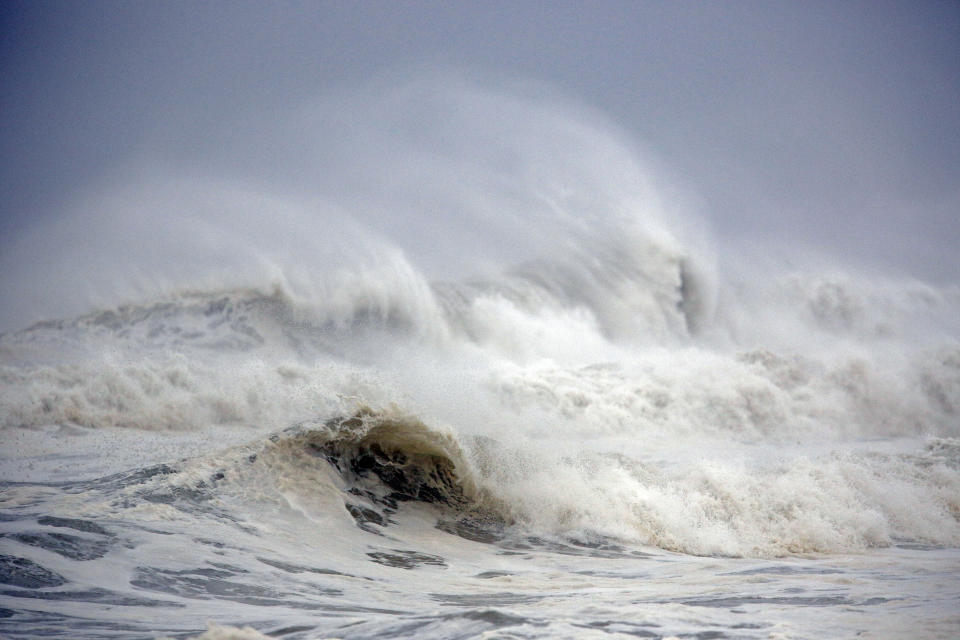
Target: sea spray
[(446, 360)]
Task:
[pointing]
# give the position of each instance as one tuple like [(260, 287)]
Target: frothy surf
[(506, 372)]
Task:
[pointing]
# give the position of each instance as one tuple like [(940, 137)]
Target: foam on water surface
[(490, 380)]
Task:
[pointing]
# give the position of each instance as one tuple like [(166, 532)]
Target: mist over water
[(518, 309), (457, 180)]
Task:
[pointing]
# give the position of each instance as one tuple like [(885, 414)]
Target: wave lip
[(414, 461), (389, 457)]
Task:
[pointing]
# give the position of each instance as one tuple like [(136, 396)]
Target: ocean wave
[(366, 467), (569, 353)]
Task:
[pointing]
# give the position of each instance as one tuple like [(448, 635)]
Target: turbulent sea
[(541, 407)]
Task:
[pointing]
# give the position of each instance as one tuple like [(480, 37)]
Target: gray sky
[(836, 124)]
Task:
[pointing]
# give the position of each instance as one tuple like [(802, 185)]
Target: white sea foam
[(511, 275)]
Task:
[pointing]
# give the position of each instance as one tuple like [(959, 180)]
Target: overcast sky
[(834, 123)]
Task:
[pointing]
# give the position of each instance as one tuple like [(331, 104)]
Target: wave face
[(441, 329)]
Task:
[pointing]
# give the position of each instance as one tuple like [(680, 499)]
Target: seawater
[(505, 390)]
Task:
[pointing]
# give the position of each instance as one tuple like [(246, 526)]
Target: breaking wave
[(505, 316), (367, 468)]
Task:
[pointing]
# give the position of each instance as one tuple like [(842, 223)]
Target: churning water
[(452, 363)]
